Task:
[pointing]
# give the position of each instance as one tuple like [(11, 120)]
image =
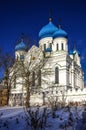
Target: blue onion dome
[(21, 46), (48, 30), (60, 33)]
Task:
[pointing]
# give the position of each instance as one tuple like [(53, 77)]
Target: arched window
[(39, 78), (62, 46), (57, 47), (51, 46), (21, 57), (44, 47), (17, 58), (33, 78), (56, 75)]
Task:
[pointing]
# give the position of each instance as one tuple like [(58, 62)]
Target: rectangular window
[(62, 47)]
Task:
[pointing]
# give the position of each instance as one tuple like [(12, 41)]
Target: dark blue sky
[(29, 16)]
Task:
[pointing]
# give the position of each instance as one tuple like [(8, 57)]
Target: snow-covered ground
[(14, 118)]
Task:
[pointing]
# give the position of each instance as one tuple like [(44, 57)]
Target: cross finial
[(22, 37), (74, 45), (50, 15), (59, 26), (59, 23)]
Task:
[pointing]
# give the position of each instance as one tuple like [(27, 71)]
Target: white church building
[(55, 71)]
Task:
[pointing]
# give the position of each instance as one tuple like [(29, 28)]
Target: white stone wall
[(63, 96)]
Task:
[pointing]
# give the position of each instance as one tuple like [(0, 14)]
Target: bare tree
[(57, 100), (36, 118), (33, 62), (6, 62)]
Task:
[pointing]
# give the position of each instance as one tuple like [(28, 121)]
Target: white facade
[(61, 72)]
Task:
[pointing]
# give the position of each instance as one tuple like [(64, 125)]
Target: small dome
[(79, 53), (60, 33), (76, 51), (48, 30), (20, 46), (48, 50), (71, 52)]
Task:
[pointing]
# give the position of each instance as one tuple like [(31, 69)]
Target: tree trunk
[(27, 104)]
